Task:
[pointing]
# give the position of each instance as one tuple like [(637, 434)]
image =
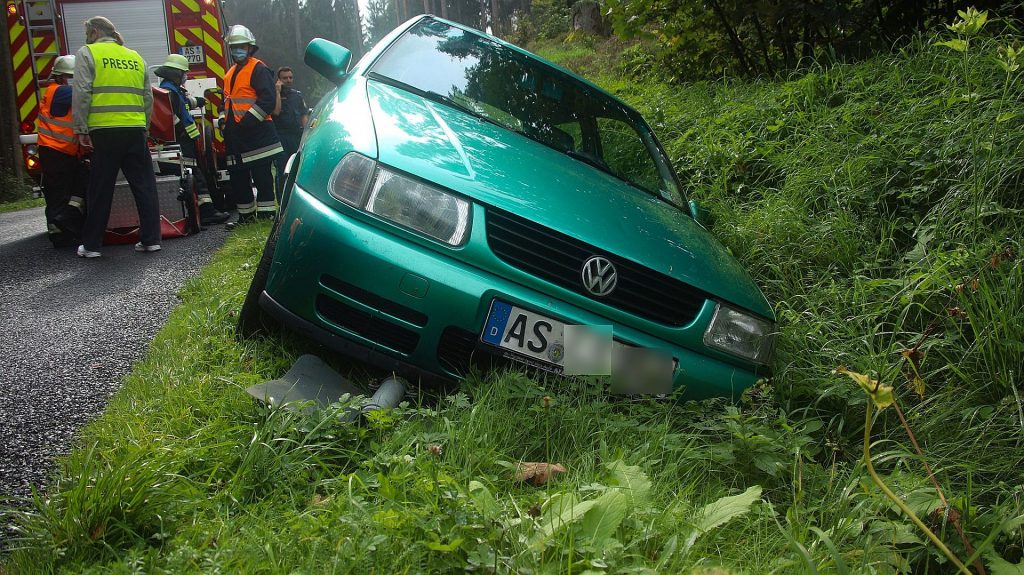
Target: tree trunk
[(737, 45), (586, 15), (444, 9), (357, 31), (495, 17), (10, 150), (293, 9), (764, 44)]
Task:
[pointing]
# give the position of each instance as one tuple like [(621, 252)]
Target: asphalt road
[(70, 330)]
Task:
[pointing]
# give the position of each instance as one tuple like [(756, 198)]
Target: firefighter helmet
[(64, 65), (239, 34), (176, 61)]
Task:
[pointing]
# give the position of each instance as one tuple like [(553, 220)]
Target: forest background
[(689, 39)]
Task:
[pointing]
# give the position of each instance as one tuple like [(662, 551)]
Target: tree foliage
[(712, 38), (284, 27)]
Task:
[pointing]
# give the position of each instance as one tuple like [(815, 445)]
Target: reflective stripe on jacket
[(239, 94), (181, 110), (56, 132), (118, 88)]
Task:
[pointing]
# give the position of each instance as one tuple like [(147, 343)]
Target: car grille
[(458, 352), (367, 325), (559, 259), (455, 350)]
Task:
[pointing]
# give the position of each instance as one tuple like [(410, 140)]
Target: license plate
[(194, 54), (525, 333)]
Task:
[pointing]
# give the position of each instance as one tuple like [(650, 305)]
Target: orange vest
[(56, 133), (239, 93)]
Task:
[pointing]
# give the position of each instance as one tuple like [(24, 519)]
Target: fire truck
[(41, 30)]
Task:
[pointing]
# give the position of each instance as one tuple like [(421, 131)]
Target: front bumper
[(366, 290)]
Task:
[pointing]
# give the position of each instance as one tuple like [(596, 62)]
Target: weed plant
[(878, 204)]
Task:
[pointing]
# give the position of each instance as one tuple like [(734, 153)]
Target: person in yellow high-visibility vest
[(112, 102)]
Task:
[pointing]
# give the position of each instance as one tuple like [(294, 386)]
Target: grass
[(880, 210), (15, 193), (23, 204)]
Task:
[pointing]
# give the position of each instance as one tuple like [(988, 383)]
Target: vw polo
[(456, 198)]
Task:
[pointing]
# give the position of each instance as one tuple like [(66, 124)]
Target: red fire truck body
[(41, 30)]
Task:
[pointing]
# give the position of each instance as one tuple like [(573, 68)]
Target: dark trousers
[(290, 143), (242, 179), (121, 149), (63, 176)]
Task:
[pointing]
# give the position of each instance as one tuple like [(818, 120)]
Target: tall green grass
[(876, 206)]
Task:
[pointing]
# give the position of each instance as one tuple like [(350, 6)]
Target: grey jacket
[(81, 99)]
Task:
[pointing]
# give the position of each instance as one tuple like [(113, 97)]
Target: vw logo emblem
[(599, 276)]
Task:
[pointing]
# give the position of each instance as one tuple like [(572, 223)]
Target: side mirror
[(700, 215), (330, 60)]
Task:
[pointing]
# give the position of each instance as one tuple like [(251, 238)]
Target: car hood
[(507, 170)]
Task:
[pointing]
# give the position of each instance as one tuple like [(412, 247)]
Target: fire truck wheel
[(252, 320)]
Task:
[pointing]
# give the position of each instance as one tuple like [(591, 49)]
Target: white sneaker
[(84, 253), (139, 247)]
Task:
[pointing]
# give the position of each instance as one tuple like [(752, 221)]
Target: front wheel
[(252, 320)]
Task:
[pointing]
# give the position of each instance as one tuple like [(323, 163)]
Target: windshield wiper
[(599, 164), (433, 96), (593, 161)]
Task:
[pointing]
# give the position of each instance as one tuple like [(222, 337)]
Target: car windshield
[(482, 77)]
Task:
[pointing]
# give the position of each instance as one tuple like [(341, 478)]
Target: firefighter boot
[(69, 220), (209, 215)]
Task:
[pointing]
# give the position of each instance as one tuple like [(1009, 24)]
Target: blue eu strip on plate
[(496, 322)]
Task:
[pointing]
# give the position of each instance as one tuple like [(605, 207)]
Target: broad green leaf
[(881, 395), (722, 511), (436, 545), (999, 566), (956, 44), (919, 386), (601, 521), (1005, 116), (633, 481), (483, 500), (564, 509)]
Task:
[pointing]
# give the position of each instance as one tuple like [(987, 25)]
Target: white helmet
[(64, 65), (239, 34), (176, 61)]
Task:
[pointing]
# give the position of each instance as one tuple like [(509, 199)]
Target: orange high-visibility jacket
[(240, 94), (56, 132)]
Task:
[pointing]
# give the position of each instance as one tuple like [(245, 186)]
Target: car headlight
[(741, 334), (360, 182)]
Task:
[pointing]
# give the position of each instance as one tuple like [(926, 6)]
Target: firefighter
[(64, 175), (249, 135), (112, 103), (186, 132)]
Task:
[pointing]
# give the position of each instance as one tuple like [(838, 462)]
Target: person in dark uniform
[(64, 174), (112, 102), (250, 95), (186, 132), (290, 121)]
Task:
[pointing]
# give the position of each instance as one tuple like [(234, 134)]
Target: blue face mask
[(239, 54)]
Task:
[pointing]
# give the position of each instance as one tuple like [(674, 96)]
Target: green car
[(458, 201)]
